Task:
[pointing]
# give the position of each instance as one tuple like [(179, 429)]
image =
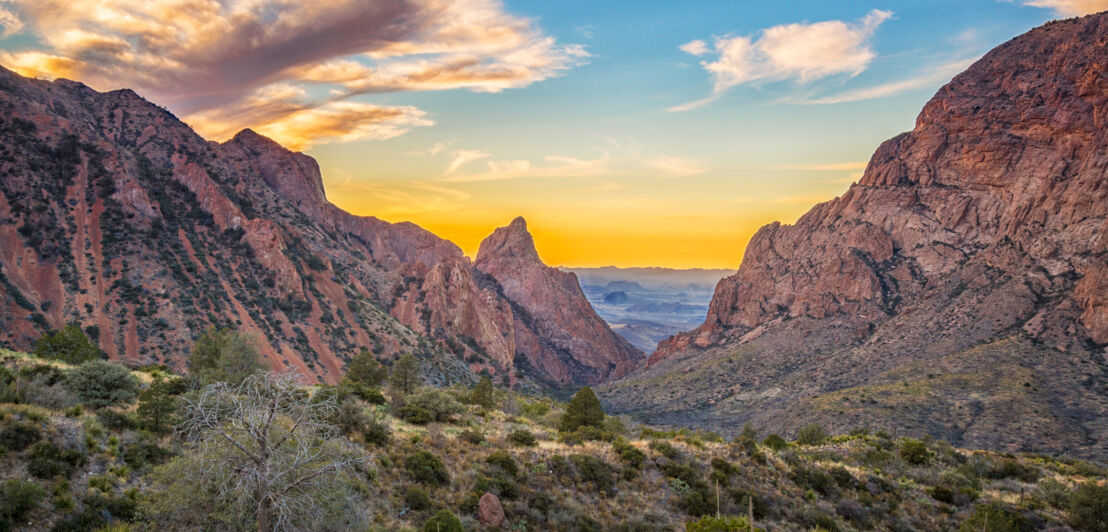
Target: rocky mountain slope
[(959, 289), (117, 216), (557, 330)]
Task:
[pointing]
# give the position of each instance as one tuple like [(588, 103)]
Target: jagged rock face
[(117, 216), (1011, 153), (556, 329)]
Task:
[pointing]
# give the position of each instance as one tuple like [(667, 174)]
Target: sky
[(628, 133)]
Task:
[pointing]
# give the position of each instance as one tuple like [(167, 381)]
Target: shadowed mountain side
[(973, 246)]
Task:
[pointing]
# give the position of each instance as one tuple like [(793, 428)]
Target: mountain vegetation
[(98, 446)]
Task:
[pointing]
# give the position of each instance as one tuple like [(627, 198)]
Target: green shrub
[(377, 432), (497, 483), (665, 449), (996, 518), (718, 524), (141, 454), (68, 345), (444, 521), (1011, 468), (815, 479), (811, 434), (583, 410), (116, 420), (523, 438), (504, 461), (429, 404), (19, 435), (630, 454), (49, 461), (775, 442), (1089, 507), (415, 415), (17, 498), (472, 437), (914, 452), (100, 383), (942, 494), (427, 468), (595, 470), (417, 499), (534, 410)]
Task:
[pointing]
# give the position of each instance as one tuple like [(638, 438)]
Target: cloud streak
[(210, 59), (801, 52), (941, 74), (1070, 8)]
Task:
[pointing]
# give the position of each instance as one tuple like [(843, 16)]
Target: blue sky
[(629, 133)]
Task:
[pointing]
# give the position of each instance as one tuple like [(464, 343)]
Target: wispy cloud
[(1070, 8), (940, 74), (801, 52), (551, 166), (678, 166), (9, 23), (462, 157), (211, 58), (855, 165)]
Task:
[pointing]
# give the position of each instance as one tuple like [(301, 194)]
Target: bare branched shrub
[(265, 445)]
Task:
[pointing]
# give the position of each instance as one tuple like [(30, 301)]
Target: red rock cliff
[(1006, 166)]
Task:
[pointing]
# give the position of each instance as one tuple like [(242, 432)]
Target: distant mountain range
[(958, 290), (648, 305)]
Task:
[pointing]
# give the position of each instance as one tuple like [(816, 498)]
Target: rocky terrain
[(557, 330), (958, 289), (117, 216)]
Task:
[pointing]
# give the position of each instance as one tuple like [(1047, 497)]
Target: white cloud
[(678, 166), (939, 75), (9, 23), (556, 166), (1070, 8), (801, 52), (697, 47), (462, 157), (207, 58)]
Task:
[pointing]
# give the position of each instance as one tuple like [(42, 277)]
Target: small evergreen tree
[(405, 374), (1089, 507), (223, 355), (68, 345), (482, 393), (584, 410), (365, 370), (158, 405)]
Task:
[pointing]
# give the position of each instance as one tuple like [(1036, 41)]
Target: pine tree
[(482, 393), (157, 405), (583, 410), (365, 370), (405, 374)]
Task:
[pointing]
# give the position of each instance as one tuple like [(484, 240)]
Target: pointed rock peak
[(249, 137), (511, 241)]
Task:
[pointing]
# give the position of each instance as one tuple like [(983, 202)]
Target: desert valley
[(195, 335)]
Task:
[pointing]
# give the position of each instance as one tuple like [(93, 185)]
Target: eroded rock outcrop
[(1011, 153), (117, 216), (557, 330)]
